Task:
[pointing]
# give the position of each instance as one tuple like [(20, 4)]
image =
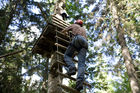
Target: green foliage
[(107, 73), (72, 84)]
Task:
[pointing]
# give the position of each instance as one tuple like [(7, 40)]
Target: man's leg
[(68, 60), (81, 68)]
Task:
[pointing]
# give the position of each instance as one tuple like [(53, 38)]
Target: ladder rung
[(61, 63), (62, 34), (62, 39), (55, 65), (65, 75), (72, 90), (59, 53), (63, 55), (137, 71), (64, 64), (59, 45)]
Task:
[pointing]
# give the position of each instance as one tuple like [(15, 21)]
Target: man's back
[(77, 30)]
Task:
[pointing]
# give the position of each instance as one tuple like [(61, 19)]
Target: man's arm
[(66, 30)]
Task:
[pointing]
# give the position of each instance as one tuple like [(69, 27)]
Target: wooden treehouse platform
[(46, 44), (51, 41)]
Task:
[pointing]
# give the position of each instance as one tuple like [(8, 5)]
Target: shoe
[(71, 72), (79, 86)]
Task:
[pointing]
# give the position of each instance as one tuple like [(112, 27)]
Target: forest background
[(22, 21)]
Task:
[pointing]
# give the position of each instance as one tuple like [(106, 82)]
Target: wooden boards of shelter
[(45, 44)]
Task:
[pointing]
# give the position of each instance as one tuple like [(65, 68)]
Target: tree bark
[(10, 54), (54, 79), (45, 77), (135, 86), (59, 8)]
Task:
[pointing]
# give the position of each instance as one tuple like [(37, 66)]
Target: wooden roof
[(45, 45)]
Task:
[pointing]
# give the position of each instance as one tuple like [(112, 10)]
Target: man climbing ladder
[(79, 43)]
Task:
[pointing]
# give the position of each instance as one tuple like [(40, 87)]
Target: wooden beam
[(62, 39), (72, 90), (64, 64), (59, 45), (59, 32), (66, 76), (63, 56), (138, 74), (61, 20), (47, 40), (34, 46), (62, 34), (58, 24), (61, 63)]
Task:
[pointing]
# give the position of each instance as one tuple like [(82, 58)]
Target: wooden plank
[(64, 64), (59, 45), (62, 39), (53, 16), (72, 90), (62, 34), (138, 74), (66, 76), (47, 40), (38, 40), (61, 63), (63, 55), (49, 29), (57, 24), (60, 21)]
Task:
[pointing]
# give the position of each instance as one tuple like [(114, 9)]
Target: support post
[(54, 79)]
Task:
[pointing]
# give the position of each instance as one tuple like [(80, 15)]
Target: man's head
[(79, 22)]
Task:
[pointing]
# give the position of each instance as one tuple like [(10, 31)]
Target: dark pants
[(79, 43)]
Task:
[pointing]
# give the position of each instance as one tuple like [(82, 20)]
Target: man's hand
[(65, 32)]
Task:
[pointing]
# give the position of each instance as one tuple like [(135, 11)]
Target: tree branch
[(9, 54)]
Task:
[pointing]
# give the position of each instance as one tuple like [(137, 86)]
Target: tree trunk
[(59, 8), (54, 79), (45, 77), (135, 86)]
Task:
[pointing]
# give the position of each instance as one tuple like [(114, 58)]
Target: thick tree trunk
[(135, 86), (45, 77), (60, 9), (53, 79)]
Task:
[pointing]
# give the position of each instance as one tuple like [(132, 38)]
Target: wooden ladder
[(61, 44)]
